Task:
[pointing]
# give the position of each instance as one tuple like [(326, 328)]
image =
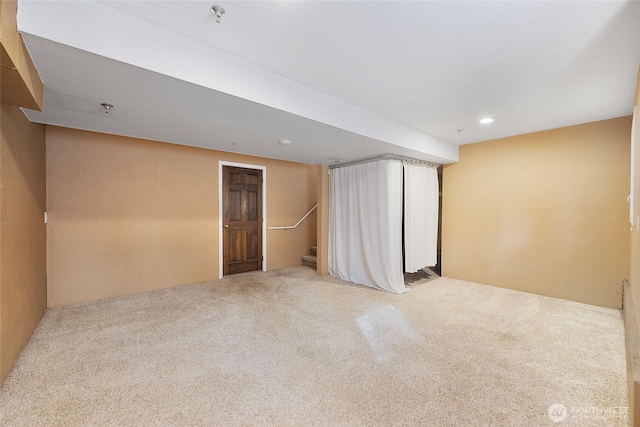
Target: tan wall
[(632, 339), (129, 215), (544, 213), (323, 221), (20, 84), (22, 233), (634, 279)]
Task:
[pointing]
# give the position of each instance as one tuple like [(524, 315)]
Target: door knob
[(226, 226)]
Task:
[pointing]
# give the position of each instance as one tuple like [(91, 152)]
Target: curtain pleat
[(420, 216), (365, 224)]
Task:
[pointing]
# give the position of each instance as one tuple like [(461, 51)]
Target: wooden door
[(242, 220)]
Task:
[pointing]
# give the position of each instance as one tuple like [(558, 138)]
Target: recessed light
[(486, 120)]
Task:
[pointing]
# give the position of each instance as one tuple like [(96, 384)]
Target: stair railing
[(289, 227)]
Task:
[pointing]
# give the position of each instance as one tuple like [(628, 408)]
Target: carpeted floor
[(290, 348)]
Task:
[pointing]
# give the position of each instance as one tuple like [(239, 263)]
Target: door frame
[(221, 164)]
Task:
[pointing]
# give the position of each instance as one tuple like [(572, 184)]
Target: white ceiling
[(342, 80)]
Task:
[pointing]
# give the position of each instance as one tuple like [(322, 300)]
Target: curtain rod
[(385, 157)]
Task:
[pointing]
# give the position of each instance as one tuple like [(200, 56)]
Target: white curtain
[(365, 224), (420, 216)]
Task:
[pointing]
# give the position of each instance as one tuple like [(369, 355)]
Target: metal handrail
[(289, 227)]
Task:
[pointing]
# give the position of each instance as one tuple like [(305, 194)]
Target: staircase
[(311, 260)]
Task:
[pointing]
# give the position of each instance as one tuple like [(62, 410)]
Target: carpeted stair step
[(310, 261), (314, 250)]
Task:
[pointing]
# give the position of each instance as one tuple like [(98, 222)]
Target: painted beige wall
[(544, 213), (20, 84), (129, 215), (22, 233), (323, 221), (634, 279), (630, 332)]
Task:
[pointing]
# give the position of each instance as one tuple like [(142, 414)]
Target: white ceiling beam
[(100, 29)]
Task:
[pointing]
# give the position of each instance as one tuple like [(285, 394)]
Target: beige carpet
[(289, 348)]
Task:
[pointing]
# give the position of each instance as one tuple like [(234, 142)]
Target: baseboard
[(632, 346)]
